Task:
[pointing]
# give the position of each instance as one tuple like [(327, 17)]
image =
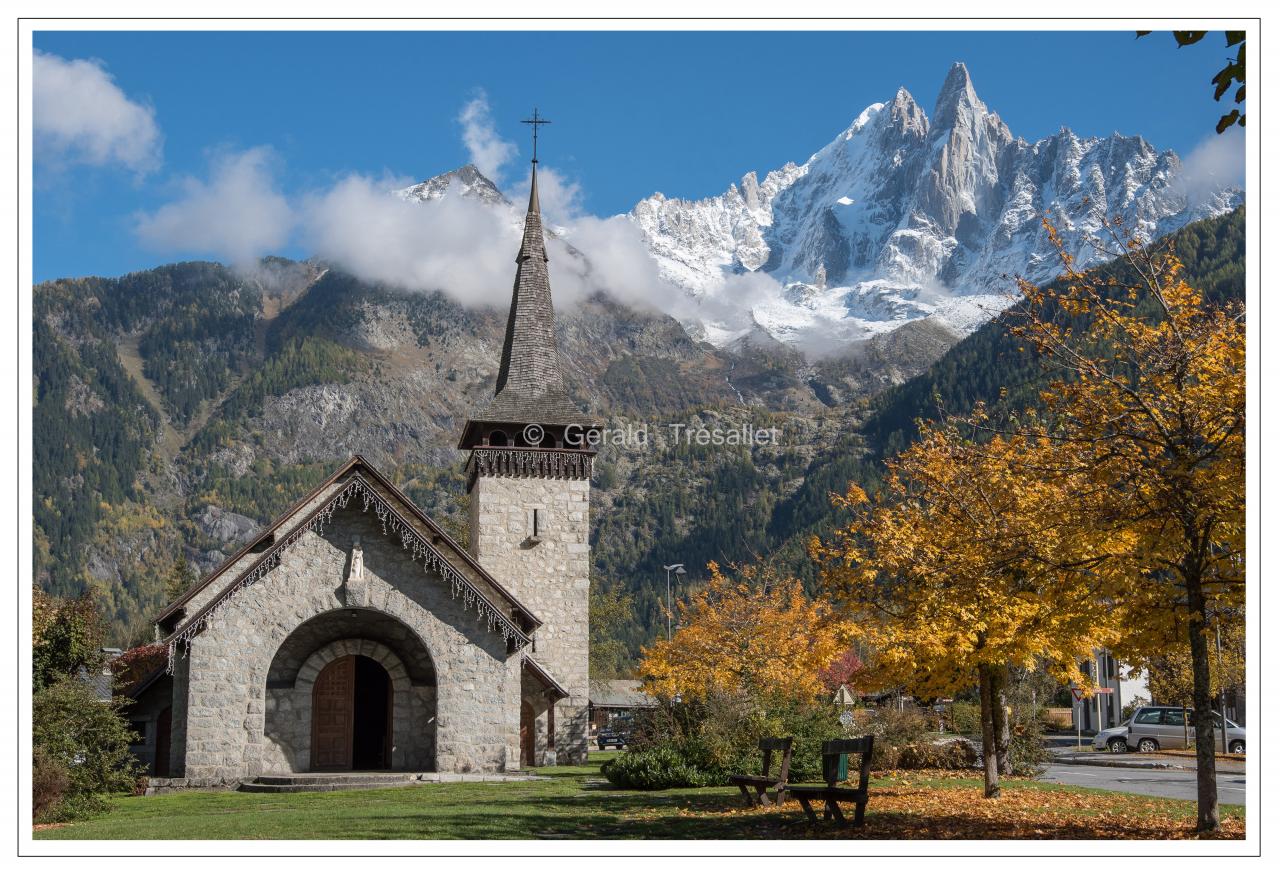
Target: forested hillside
[(179, 409)]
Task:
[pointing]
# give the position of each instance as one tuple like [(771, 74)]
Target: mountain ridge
[(901, 217)]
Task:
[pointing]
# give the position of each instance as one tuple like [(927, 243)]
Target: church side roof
[(181, 617), (530, 386), (543, 677)]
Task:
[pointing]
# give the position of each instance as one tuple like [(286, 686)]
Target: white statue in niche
[(357, 560)]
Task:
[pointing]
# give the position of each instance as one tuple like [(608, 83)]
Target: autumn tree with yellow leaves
[(1149, 402), (754, 636), (969, 562)]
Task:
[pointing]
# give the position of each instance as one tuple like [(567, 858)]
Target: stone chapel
[(353, 633)]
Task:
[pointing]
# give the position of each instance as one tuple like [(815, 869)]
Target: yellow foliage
[(1152, 406), (971, 559), (752, 635)]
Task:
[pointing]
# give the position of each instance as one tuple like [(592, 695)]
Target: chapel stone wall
[(477, 682), (551, 576)]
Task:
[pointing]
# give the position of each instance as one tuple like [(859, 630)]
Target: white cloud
[(489, 152), (1216, 163), (559, 196), (238, 214), (611, 256), (465, 247), (455, 244), (461, 246), (80, 116)]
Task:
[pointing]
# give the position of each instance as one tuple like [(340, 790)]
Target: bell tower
[(529, 480)]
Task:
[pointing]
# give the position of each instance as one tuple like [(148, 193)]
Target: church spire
[(532, 245), (530, 387)]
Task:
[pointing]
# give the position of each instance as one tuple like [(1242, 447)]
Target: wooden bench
[(761, 784), (830, 793)]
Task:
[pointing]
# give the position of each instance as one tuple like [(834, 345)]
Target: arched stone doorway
[(351, 716), (350, 689)]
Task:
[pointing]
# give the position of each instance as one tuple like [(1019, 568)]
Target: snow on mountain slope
[(467, 181), (901, 218), (695, 241)]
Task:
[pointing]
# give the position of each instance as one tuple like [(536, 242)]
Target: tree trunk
[(990, 763), (1207, 817), (1000, 717)]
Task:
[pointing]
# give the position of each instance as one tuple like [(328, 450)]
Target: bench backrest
[(768, 746), (833, 749)]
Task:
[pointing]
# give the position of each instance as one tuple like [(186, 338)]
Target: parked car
[(1164, 727), (611, 737), (1114, 739)]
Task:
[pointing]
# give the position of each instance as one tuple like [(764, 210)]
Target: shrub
[(954, 755), (49, 783), (720, 737), (1028, 752), (885, 756), (964, 718), (657, 768), (895, 727), (894, 730), (69, 637), (89, 740)]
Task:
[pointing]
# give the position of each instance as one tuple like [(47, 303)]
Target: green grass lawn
[(577, 803)]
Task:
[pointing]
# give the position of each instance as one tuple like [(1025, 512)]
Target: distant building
[(845, 697), (1127, 687), (611, 700), (99, 682)]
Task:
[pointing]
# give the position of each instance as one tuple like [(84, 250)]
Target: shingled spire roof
[(530, 386)]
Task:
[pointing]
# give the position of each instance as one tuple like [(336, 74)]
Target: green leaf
[(1188, 37)]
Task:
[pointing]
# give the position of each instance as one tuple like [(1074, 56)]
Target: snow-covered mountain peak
[(905, 115), (902, 216), (956, 96), (466, 181), (864, 118)]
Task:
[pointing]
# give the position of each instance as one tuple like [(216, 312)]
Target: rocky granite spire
[(530, 387)]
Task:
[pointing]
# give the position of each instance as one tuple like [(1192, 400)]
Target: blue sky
[(633, 113)]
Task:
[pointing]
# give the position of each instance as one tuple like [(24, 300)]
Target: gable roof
[(357, 478)]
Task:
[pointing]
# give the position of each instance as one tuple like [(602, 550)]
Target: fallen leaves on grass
[(904, 808)]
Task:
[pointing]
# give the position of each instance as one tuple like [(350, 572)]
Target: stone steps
[(254, 787), (316, 782), (340, 778)]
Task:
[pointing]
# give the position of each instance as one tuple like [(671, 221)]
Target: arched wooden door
[(526, 734), (333, 715)]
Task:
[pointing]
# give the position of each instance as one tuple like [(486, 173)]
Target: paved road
[(1147, 782)]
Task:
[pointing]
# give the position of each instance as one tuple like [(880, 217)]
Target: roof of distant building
[(619, 694)]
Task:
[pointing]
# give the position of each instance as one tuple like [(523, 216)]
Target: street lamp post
[(678, 568), (1222, 684)]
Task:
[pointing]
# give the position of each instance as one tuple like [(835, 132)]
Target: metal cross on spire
[(535, 121)]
